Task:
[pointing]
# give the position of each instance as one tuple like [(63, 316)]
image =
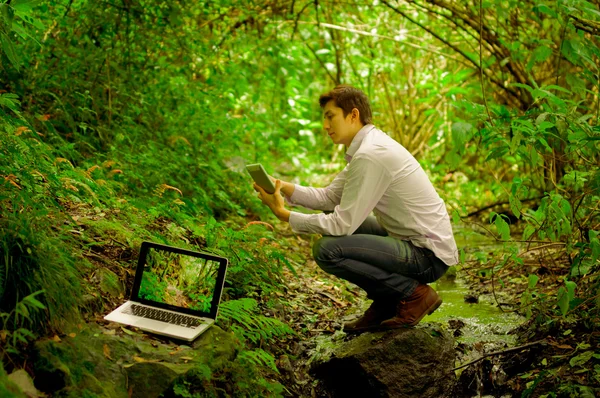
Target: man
[(393, 255)]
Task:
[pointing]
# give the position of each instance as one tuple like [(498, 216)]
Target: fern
[(246, 323), (259, 358)]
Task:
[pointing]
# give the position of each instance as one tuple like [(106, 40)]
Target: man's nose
[(326, 125)]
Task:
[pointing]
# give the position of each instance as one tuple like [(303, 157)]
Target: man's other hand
[(274, 201)]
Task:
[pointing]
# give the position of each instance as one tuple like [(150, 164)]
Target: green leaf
[(34, 302), (461, 133), (502, 227), (570, 289), (563, 301), (581, 359), (540, 54), (546, 10), (24, 6), (533, 280), (10, 101), (7, 14), (9, 50)]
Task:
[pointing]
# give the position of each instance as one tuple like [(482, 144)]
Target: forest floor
[(551, 356)]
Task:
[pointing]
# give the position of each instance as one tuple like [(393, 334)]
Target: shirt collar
[(357, 140)]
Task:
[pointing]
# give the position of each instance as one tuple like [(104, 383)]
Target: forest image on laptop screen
[(178, 279)]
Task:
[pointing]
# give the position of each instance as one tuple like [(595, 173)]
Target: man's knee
[(324, 252)]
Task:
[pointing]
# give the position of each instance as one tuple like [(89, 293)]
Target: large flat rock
[(402, 363)]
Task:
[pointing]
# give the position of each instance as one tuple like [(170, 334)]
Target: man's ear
[(355, 114)]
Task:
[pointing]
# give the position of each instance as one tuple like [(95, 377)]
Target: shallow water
[(484, 320)]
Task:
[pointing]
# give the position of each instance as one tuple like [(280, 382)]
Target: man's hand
[(274, 201), (287, 188)]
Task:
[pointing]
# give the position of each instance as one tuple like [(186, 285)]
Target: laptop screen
[(179, 279)]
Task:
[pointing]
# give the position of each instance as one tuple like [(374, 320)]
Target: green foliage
[(12, 334), (128, 122), (248, 324), (7, 388), (32, 260)]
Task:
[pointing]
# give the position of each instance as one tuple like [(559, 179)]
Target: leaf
[(106, 351), (533, 280), (581, 359), (9, 50), (570, 289), (502, 227), (461, 133), (24, 5), (7, 14), (34, 302), (139, 359), (129, 332), (564, 347), (528, 232), (563, 301)]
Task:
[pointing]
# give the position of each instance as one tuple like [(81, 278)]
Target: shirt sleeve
[(366, 182), (320, 198)]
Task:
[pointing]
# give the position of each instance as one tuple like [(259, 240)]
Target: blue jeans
[(386, 268)]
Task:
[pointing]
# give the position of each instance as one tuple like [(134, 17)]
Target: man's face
[(341, 129)]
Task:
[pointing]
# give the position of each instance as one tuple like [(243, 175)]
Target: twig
[(321, 62), (500, 203), (502, 352), (266, 224), (487, 109)]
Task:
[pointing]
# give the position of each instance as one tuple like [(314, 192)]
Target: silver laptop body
[(176, 292)]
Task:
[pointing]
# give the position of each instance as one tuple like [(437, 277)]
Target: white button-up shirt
[(384, 178)]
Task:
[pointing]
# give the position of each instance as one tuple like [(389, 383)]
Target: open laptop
[(176, 292)]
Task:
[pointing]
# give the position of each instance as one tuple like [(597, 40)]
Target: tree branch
[(502, 352)]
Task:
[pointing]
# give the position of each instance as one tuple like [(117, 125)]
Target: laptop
[(176, 292)]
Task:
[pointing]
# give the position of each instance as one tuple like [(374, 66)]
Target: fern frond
[(258, 357), (247, 323)]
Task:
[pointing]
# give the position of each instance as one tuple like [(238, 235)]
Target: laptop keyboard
[(163, 316)]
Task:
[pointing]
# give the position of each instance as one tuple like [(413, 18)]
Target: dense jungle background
[(131, 120)]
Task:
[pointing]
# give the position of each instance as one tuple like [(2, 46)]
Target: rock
[(22, 379), (8, 389), (400, 363), (471, 298), (97, 362)]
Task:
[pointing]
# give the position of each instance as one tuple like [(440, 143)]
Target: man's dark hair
[(348, 98)]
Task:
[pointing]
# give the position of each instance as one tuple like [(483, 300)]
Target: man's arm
[(317, 198), (366, 182)]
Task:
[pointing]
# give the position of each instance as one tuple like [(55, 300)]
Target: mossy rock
[(403, 363), (8, 389), (94, 362)]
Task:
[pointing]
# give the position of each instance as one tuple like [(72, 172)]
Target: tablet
[(261, 178)]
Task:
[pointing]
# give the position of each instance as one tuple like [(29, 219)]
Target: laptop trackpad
[(151, 324)]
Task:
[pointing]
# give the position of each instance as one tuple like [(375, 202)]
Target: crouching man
[(392, 255)]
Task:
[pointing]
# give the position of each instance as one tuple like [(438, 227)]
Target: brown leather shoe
[(371, 319), (412, 309)]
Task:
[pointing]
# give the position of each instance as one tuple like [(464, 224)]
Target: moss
[(105, 365), (110, 283)]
